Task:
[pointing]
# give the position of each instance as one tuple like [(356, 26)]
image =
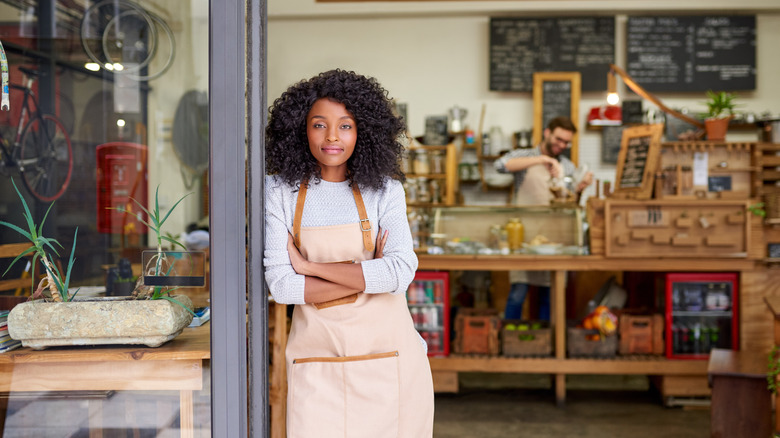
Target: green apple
[(510, 326)]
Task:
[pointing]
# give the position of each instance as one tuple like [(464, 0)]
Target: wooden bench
[(741, 401)]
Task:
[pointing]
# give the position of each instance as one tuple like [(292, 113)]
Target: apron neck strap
[(365, 224)]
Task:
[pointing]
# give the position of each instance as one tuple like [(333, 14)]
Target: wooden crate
[(529, 342), (641, 334), (476, 331), (577, 344)]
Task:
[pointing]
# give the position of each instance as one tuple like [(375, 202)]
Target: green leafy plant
[(773, 369), (720, 104), (53, 286), (157, 264), (757, 209)]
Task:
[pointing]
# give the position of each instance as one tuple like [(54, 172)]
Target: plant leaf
[(171, 299), (173, 241), (27, 215), (70, 266), (24, 253), (172, 208), (24, 233)]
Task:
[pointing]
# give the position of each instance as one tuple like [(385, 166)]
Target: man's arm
[(521, 163)]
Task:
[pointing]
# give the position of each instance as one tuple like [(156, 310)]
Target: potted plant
[(54, 317), (720, 110)]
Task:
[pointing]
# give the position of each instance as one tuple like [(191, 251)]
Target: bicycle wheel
[(133, 36), (46, 158)]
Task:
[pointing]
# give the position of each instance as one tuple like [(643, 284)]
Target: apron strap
[(299, 212), (365, 224)]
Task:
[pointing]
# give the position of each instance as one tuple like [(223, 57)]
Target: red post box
[(121, 178)]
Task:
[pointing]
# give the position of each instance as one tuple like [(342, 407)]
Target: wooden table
[(741, 402), (175, 366)]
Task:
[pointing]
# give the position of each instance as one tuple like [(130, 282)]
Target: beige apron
[(355, 366), (535, 190)]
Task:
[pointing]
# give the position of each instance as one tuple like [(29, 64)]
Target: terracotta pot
[(716, 128)]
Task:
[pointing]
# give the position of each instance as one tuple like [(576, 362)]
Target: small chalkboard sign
[(611, 137), (556, 94), (640, 148)]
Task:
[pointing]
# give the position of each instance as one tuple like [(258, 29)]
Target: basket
[(578, 344), (530, 341)]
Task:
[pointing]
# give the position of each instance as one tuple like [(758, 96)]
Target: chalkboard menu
[(637, 161), (692, 53), (611, 137), (519, 47), (556, 94), (556, 100)]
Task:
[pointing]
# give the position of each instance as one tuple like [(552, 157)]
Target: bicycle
[(40, 150)]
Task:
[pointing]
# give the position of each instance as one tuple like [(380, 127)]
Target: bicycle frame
[(10, 147)]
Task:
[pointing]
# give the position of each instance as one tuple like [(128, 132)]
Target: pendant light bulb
[(612, 95)]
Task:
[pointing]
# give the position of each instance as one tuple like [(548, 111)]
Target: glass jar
[(435, 192), (515, 232), (421, 164), (411, 190), (437, 162), (423, 191)]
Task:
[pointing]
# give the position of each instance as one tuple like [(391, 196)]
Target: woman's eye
[(318, 125), (346, 126)]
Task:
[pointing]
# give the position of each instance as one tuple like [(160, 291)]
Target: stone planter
[(98, 321)]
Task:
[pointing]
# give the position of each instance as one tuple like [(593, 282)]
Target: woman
[(338, 246)]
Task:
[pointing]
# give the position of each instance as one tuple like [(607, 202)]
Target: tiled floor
[(487, 406), (493, 406)]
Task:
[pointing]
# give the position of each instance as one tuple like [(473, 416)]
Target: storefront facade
[(159, 102)]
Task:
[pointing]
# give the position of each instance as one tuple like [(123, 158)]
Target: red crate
[(476, 332)]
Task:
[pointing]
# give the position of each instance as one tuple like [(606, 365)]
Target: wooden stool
[(741, 402)]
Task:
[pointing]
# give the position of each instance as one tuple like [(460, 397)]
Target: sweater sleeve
[(285, 284), (395, 270)]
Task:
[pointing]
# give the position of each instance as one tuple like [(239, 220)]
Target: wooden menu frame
[(640, 149), (541, 81)]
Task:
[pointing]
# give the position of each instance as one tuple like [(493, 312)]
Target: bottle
[(515, 234), (429, 292), (486, 148)]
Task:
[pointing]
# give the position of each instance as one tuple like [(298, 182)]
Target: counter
[(754, 275)]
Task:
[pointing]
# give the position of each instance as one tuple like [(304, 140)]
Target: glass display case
[(544, 230)]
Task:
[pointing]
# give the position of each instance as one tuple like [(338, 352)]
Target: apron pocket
[(351, 396)]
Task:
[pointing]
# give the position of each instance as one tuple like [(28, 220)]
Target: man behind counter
[(533, 168)]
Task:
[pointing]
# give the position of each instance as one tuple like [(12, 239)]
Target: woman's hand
[(298, 262), (381, 239)]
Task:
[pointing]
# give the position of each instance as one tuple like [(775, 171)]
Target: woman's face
[(332, 134)]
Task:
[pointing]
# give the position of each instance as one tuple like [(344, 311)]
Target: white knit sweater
[(329, 203)]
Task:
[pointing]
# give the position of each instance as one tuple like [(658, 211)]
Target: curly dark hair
[(378, 149)]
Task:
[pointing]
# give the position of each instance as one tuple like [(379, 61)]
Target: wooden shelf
[(632, 364)]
